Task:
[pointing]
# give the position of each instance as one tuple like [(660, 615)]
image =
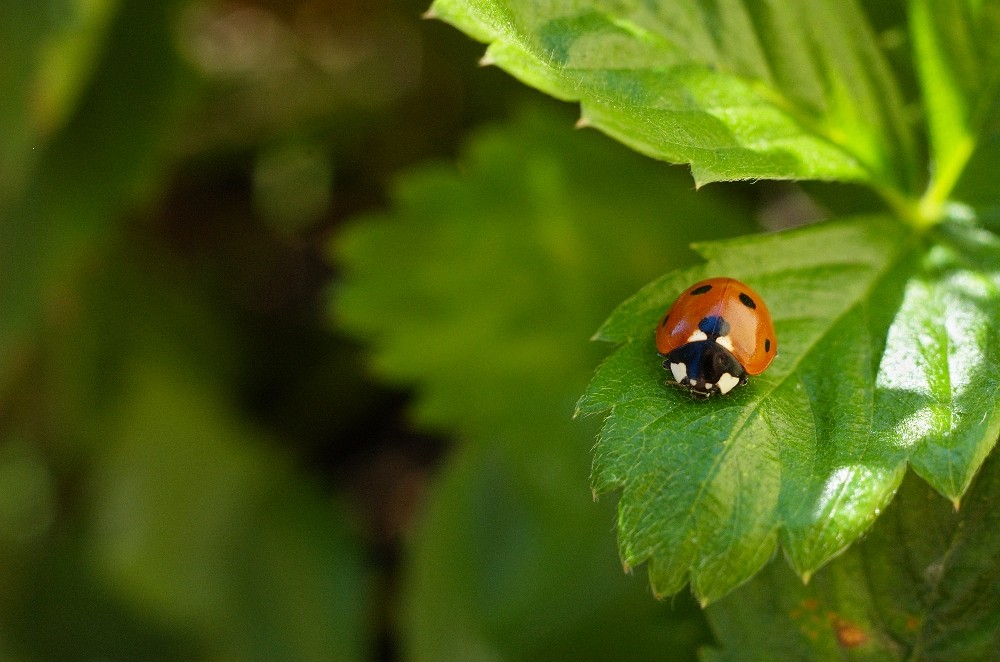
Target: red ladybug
[(715, 334)]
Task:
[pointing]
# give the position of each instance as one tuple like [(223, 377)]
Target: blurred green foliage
[(183, 441)]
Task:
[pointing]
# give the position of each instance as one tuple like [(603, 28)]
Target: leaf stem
[(931, 206), (905, 206)]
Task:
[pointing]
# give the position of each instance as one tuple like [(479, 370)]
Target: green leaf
[(480, 289), (939, 378), (922, 585), (876, 366), (528, 233), (739, 90), (958, 62)]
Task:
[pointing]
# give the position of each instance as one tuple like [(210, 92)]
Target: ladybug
[(715, 334)]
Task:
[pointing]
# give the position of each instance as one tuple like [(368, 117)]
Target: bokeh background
[(295, 302)]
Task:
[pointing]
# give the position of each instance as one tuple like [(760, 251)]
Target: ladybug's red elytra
[(715, 334)]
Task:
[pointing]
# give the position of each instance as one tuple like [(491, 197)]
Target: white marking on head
[(727, 382), (680, 371), (709, 385), (697, 335), (725, 341)]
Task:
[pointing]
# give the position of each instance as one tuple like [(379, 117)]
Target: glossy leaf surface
[(740, 90), (709, 489), (922, 585)]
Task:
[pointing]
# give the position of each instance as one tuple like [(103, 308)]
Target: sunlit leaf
[(884, 357), (922, 585), (778, 90), (939, 379)]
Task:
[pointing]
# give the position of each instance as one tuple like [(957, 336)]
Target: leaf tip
[(699, 178), (602, 335), (487, 60), (582, 123), (956, 503), (583, 407), (704, 602), (430, 15), (806, 576)]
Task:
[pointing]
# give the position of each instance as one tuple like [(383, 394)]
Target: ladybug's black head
[(705, 367)]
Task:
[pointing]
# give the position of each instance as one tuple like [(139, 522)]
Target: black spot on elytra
[(664, 322), (701, 290), (747, 301), (714, 326), (767, 344)]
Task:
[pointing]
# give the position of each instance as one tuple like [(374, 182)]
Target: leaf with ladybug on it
[(887, 323), (808, 453)]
